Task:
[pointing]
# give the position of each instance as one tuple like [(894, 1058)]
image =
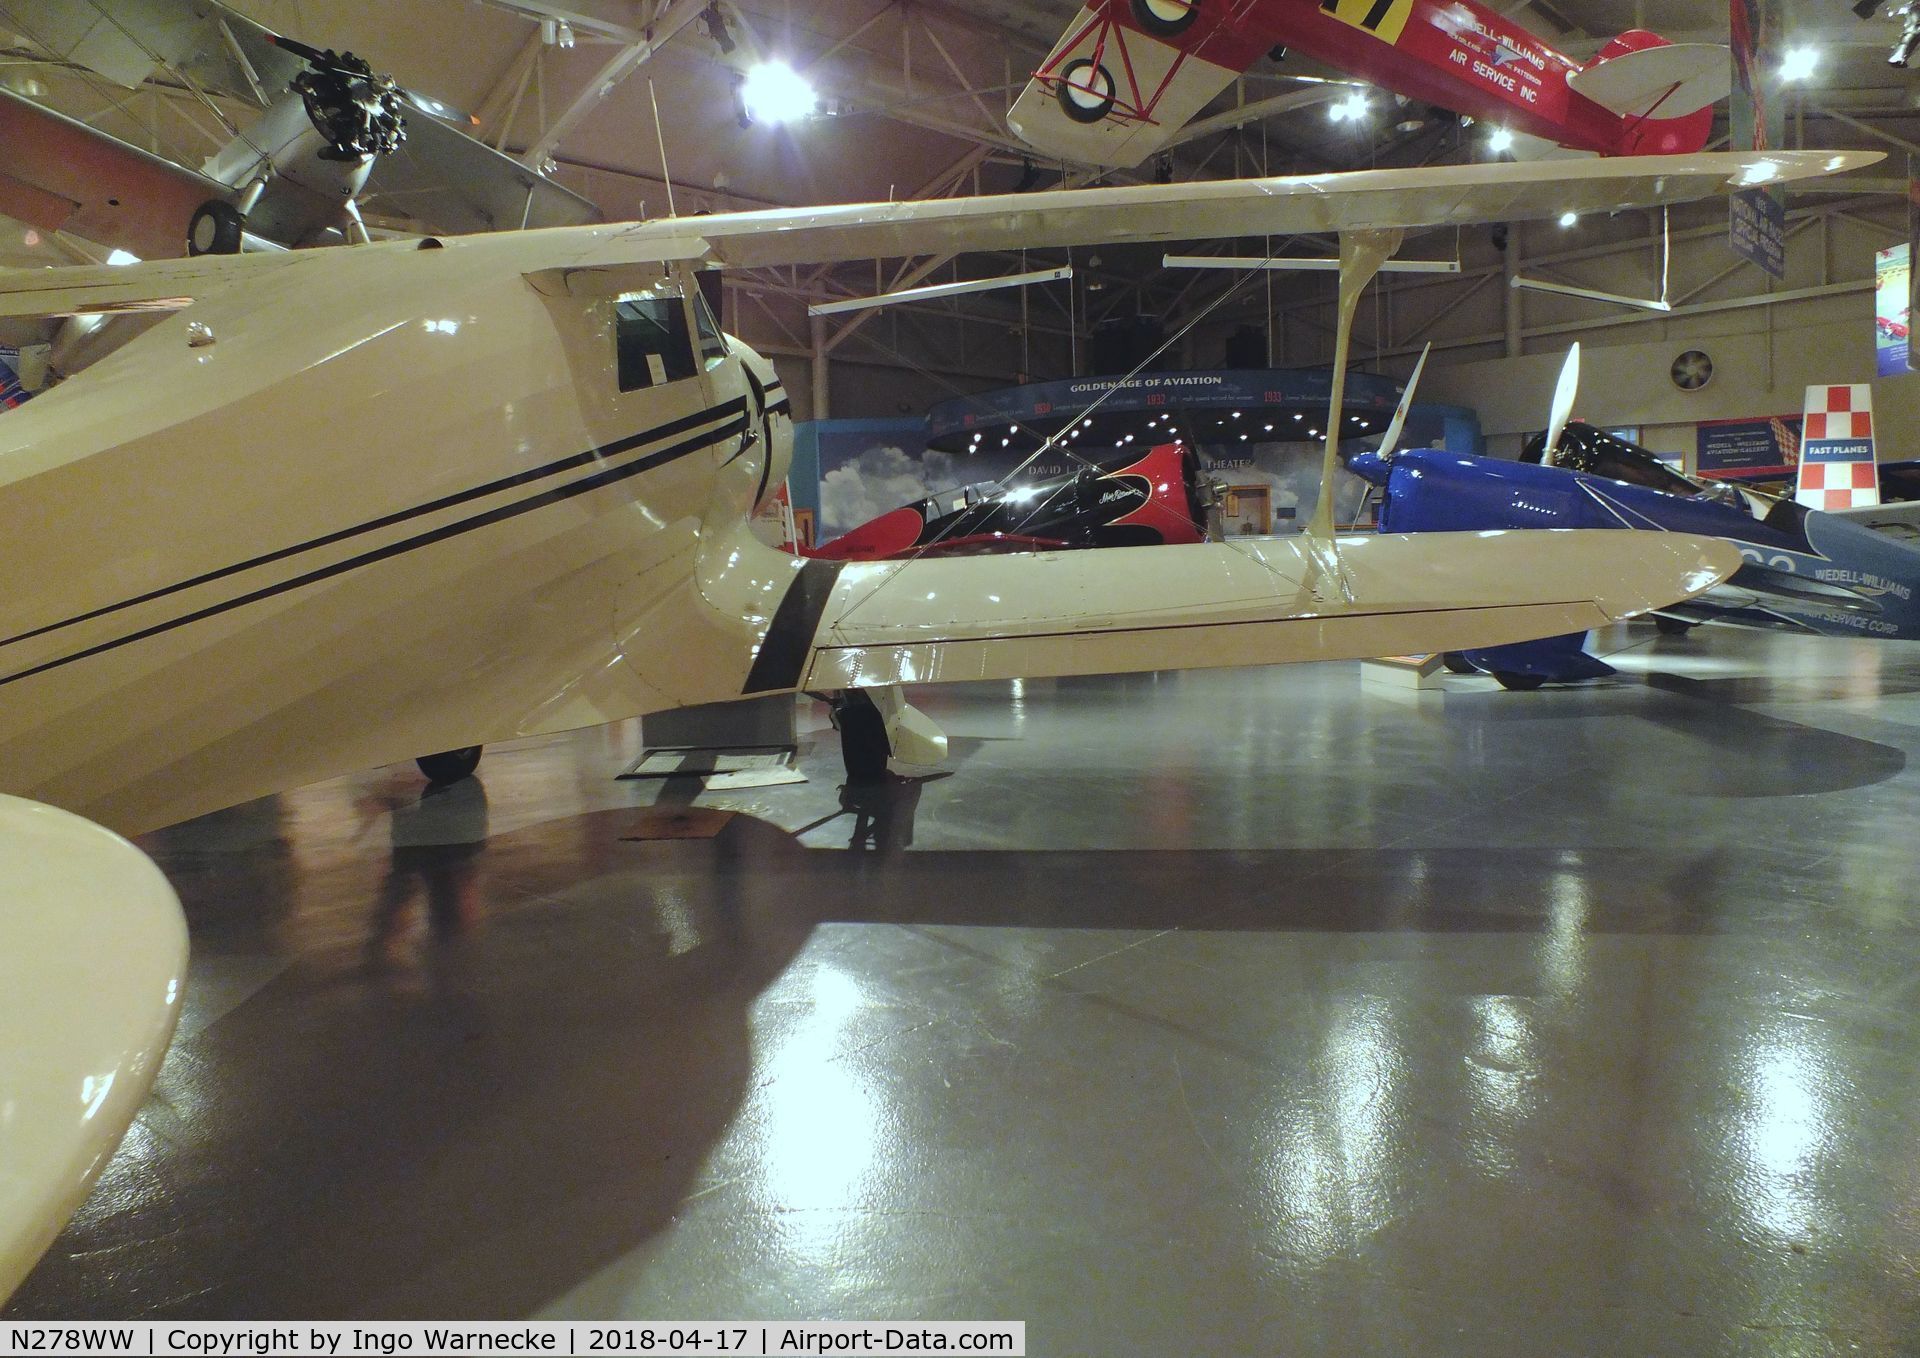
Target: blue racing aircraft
[(1848, 573)]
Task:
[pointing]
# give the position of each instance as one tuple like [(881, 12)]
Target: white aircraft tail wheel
[(450, 766), (1166, 18), (215, 229), (1086, 91)]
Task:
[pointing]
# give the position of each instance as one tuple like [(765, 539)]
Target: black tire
[(863, 737), (1091, 100), (216, 229), (1519, 683), (1457, 663), (1166, 18), (450, 766), (1671, 627)]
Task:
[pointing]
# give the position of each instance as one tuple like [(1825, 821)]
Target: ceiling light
[(773, 93), (1800, 63), (120, 257), (1569, 218), (1354, 108), (1500, 141)]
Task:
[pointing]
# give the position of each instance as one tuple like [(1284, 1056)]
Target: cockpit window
[(1586, 449), (713, 344), (651, 333)]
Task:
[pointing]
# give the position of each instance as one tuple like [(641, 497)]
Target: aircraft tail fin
[(1664, 91)]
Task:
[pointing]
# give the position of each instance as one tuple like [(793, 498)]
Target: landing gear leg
[(863, 736)]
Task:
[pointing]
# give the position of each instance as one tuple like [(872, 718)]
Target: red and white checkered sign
[(1837, 467)]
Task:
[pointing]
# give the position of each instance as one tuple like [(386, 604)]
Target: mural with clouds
[(851, 471)]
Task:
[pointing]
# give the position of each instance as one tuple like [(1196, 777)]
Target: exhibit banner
[(1747, 448), (1757, 120), (1892, 310)]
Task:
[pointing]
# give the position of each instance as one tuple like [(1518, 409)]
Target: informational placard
[(1837, 469), (1748, 448), (1892, 310)]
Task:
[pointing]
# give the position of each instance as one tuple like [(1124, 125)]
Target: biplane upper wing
[(1220, 209), (1111, 94), (1360, 200)]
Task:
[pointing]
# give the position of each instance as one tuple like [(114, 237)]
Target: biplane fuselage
[(334, 509)]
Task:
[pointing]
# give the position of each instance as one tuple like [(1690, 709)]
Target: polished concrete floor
[(1244, 1012)]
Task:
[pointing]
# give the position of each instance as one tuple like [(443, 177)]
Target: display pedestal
[(1406, 672), (752, 740)]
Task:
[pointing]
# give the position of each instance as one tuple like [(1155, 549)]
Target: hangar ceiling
[(915, 93)]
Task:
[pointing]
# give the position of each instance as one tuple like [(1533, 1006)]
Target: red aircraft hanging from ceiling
[(1129, 74)]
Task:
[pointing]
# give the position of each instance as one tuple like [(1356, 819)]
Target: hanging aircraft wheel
[(1519, 683), (1086, 91), (1166, 18), (863, 737), (1457, 663), (1671, 627), (216, 229), (450, 766)]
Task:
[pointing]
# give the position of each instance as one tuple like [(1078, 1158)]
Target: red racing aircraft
[(1129, 74)]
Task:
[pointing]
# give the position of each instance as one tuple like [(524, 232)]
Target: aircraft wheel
[(1671, 627), (863, 737), (215, 229), (1519, 683), (450, 766), (1456, 663), (1166, 18), (1086, 91)]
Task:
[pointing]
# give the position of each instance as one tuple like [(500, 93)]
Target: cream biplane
[(325, 510)]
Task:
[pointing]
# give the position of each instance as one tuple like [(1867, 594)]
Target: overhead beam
[(662, 31)]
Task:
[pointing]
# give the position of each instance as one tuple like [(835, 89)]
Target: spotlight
[(1354, 108), (773, 93)]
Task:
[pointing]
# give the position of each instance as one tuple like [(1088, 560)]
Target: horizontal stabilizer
[(1669, 81), (1899, 520), (93, 955)]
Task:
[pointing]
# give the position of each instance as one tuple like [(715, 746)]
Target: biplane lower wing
[(1211, 605)]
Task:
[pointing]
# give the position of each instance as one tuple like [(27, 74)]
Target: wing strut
[(1362, 255)]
